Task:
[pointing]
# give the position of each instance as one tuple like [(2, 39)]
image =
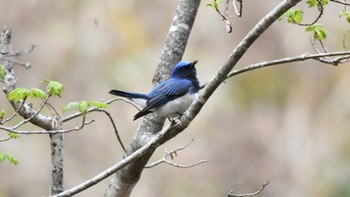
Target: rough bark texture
[(124, 180), (56, 142)]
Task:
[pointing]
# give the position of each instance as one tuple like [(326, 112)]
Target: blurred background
[(288, 124)]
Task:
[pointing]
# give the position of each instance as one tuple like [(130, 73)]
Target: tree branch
[(48, 132), (341, 2), (171, 154), (231, 194), (302, 57)]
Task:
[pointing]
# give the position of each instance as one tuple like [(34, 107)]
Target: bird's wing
[(165, 92), (171, 90)]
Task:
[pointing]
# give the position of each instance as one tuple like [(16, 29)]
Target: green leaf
[(70, 106), (346, 15), (13, 135), (2, 72), (54, 88), (37, 93), (318, 31), (83, 107), (2, 114), (18, 94), (293, 16), (2, 157), (8, 157), (99, 105), (11, 159), (214, 4), (324, 2), (311, 3)]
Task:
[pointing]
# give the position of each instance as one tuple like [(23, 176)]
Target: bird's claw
[(175, 121)]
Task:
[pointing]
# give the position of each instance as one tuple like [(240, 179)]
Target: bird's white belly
[(176, 107)]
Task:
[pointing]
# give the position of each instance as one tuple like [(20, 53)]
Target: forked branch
[(173, 153)]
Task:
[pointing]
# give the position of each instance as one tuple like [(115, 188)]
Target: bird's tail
[(129, 95)]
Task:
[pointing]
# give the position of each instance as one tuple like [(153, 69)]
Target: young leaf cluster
[(293, 16), (318, 31), (19, 94), (8, 157), (83, 106), (2, 114), (2, 72), (54, 88), (317, 3), (346, 15), (214, 4)]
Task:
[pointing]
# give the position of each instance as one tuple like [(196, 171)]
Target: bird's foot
[(175, 121)]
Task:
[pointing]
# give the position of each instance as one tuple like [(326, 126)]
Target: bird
[(172, 97)]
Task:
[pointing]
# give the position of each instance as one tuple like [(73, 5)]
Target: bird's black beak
[(194, 62)]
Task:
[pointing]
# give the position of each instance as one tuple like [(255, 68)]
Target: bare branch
[(114, 127), (231, 194), (344, 39), (47, 132), (239, 10), (6, 139), (306, 56), (8, 119), (320, 8), (174, 152), (341, 2)]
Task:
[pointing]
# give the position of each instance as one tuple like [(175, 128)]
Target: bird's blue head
[(185, 70)]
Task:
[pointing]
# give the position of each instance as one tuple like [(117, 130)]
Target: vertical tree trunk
[(123, 182), (56, 142)]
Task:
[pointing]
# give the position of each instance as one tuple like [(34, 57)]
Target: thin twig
[(321, 9), (344, 39), (114, 127), (231, 194), (94, 109), (8, 119), (227, 18), (239, 10), (6, 139), (171, 154), (47, 132), (341, 2), (288, 60)]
